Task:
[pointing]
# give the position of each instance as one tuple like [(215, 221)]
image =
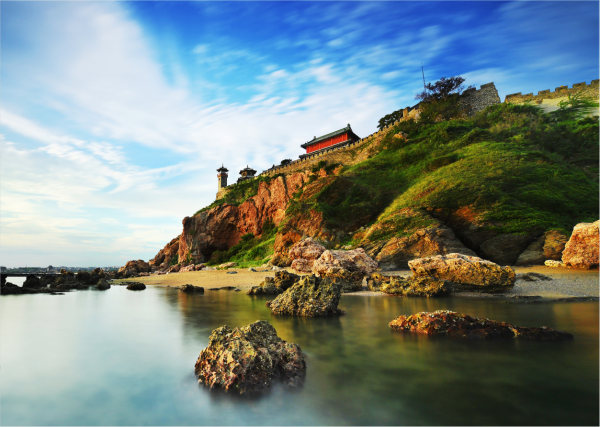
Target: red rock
[(443, 322), (166, 254), (304, 254), (581, 250)]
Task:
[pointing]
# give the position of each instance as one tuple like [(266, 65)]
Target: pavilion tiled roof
[(329, 135)]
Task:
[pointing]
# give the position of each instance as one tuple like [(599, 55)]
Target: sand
[(563, 283)]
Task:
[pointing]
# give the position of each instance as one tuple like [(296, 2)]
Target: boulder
[(249, 359), (350, 282), (417, 286), (174, 269), (549, 246), (301, 265), (465, 271), (376, 280), (553, 263), (282, 281), (32, 281), (281, 260), (505, 248), (132, 268), (227, 265), (308, 248), (443, 322), (581, 251), (188, 289), (103, 284), (65, 281), (86, 278), (554, 244), (136, 286), (310, 296), (354, 261)]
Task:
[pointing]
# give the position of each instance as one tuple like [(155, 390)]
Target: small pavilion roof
[(247, 169), (329, 135), (222, 169)]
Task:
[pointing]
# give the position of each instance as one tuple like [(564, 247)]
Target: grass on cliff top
[(522, 170)]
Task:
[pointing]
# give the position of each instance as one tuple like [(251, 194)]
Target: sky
[(114, 116)]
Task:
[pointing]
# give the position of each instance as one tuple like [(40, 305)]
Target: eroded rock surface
[(464, 271), (376, 280), (136, 286), (443, 322), (304, 253), (417, 286), (354, 261), (188, 289), (349, 281), (310, 296), (282, 281), (581, 251), (548, 247), (249, 359), (132, 268)]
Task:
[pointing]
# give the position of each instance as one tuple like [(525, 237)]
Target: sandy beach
[(563, 283)]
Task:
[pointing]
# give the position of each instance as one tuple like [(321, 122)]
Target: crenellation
[(560, 92)]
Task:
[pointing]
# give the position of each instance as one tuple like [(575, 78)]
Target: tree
[(389, 119), (442, 90), (442, 101)]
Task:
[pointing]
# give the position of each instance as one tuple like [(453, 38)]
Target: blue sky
[(115, 116)]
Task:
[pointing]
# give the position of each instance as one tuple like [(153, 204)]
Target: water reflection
[(127, 358)]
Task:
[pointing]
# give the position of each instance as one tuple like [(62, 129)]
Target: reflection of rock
[(581, 250), (136, 286), (282, 281), (354, 261), (303, 255), (466, 271), (417, 286), (311, 296), (350, 282), (249, 359), (443, 322), (188, 289)]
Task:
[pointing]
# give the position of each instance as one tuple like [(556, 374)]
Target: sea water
[(120, 357)]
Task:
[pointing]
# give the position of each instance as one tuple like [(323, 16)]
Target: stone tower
[(222, 176)]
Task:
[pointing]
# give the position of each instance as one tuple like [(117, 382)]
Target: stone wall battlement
[(560, 92)]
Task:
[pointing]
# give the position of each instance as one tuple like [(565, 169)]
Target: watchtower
[(222, 176)]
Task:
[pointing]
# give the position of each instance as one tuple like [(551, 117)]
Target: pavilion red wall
[(327, 143)]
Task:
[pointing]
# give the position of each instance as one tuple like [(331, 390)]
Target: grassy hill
[(516, 169)]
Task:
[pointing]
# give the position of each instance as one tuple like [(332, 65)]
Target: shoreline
[(565, 284)]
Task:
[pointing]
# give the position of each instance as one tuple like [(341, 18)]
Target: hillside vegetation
[(511, 168)]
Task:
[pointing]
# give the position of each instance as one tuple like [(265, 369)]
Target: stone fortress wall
[(478, 99)]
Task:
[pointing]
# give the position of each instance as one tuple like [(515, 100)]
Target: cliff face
[(222, 227), (494, 185)]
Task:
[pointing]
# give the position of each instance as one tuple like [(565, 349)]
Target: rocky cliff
[(507, 185)]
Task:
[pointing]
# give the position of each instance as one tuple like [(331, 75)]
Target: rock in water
[(354, 261), (311, 296), (443, 322), (136, 286), (282, 281), (249, 359), (303, 255), (32, 282), (103, 285), (188, 289), (465, 271), (376, 280), (350, 282), (581, 250), (417, 286)]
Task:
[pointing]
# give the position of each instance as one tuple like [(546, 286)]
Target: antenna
[(424, 87)]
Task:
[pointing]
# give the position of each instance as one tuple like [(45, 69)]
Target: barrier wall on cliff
[(559, 92)]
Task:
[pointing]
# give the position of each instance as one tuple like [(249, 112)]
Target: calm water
[(127, 358)]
